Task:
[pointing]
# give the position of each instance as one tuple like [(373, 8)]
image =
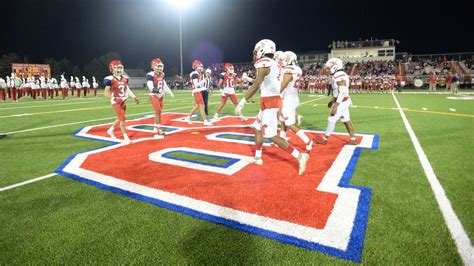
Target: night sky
[(223, 30)]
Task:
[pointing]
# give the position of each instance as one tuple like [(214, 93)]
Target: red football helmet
[(114, 64), (229, 68), (158, 64), (197, 65)]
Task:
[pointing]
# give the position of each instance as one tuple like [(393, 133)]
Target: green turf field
[(58, 220)]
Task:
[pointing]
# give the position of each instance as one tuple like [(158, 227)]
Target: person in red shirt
[(449, 79), (116, 88), (432, 80)]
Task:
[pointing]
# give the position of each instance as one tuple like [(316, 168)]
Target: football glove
[(240, 106), (157, 90)]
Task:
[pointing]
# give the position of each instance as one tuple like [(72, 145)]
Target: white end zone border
[(342, 236)]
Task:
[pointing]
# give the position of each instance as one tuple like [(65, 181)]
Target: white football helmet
[(263, 47), (278, 57), (334, 64), (208, 71), (289, 58)]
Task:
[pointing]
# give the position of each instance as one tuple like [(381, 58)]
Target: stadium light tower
[(181, 5)]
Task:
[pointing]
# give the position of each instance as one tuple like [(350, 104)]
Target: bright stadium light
[(181, 5)]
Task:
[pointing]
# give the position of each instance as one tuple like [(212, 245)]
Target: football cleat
[(321, 141), (159, 136), (207, 123), (257, 161), (302, 161), (299, 118), (310, 145), (216, 116), (127, 141), (111, 133), (352, 142)]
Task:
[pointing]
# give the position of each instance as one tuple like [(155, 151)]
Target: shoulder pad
[(263, 62)]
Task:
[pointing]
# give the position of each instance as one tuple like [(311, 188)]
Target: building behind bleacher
[(313, 57), (363, 51)]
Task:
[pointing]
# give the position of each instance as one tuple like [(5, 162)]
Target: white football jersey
[(270, 85), (296, 73), (339, 76)]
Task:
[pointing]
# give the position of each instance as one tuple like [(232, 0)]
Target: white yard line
[(27, 182), (463, 243), (92, 120), (317, 99)]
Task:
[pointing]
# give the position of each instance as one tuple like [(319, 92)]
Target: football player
[(227, 82), (340, 102), (116, 88), (290, 73), (157, 86), (270, 102), (198, 84)]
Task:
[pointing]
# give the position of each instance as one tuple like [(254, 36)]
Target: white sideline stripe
[(51, 101), (92, 120), (52, 105), (463, 243), (27, 182)]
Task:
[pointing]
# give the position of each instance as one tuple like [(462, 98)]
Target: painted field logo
[(209, 175)]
